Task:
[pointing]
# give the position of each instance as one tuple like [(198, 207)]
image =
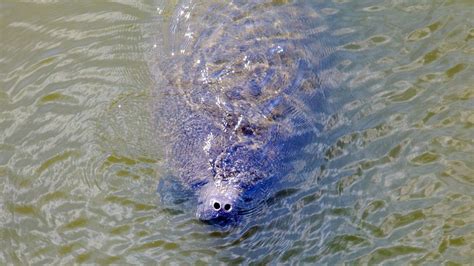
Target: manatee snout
[(217, 202)]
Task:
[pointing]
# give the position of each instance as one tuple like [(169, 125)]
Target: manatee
[(235, 101)]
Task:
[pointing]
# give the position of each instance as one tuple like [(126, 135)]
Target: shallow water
[(79, 166)]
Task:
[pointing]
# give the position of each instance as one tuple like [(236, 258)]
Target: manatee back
[(238, 71)]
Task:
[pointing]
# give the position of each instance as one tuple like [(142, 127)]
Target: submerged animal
[(238, 88)]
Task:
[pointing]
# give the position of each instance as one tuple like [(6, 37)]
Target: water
[(79, 164)]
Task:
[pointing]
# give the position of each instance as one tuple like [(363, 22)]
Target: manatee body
[(236, 97)]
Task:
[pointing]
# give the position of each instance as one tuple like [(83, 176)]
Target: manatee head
[(218, 202), (237, 170)]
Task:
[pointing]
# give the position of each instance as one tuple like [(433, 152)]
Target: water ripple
[(388, 179)]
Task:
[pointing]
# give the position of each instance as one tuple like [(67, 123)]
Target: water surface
[(393, 174)]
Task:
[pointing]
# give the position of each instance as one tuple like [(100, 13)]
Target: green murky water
[(79, 164)]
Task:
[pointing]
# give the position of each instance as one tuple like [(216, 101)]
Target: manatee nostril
[(216, 205), (227, 207)]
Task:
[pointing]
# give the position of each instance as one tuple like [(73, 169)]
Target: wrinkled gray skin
[(237, 82)]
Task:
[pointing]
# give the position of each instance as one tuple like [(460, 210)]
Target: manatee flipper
[(172, 192)]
